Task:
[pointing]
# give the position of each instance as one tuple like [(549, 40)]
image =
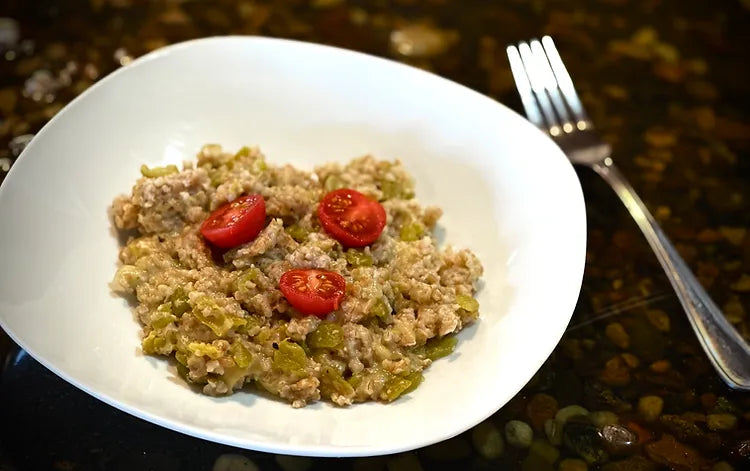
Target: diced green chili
[(393, 190), (259, 166), (250, 323), (158, 171), (251, 275), (243, 152), (181, 358), (381, 310), (411, 232), (218, 176), (390, 189), (333, 382), (355, 380), (297, 233), (440, 347), (162, 322), (395, 387), (210, 314), (147, 344), (333, 182), (289, 357), (129, 276), (137, 249), (179, 300), (241, 355), (358, 258), (327, 335), (467, 303), (205, 349), (415, 379)]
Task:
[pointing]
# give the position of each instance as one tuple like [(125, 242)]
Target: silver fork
[(552, 104)]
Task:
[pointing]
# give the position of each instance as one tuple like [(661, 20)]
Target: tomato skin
[(313, 292), (236, 222), (351, 218)]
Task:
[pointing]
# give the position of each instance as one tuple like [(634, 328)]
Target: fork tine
[(565, 84), (550, 83), (536, 77), (523, 86)]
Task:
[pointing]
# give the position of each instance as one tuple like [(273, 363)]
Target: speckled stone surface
[(667, 82)]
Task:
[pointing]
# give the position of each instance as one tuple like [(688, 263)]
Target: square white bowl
[(508, 193)]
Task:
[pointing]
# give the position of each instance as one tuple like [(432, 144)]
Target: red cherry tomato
[(236, 222), (313, 292), (351, 218)]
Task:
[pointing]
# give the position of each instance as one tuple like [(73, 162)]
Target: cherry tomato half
[(351, 218), (313, 292), (236, 222)]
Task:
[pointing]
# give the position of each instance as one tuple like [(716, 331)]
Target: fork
[(552, 104)]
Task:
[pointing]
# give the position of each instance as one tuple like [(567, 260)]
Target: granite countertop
[(628, 387)]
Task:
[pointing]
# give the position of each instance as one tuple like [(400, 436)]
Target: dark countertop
[(668, 83)]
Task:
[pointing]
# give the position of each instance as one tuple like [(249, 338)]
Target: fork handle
[(724, 346)]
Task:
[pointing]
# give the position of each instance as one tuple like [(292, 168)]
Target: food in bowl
[(324, 285)]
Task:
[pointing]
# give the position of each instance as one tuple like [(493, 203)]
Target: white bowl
[(507, 192)]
